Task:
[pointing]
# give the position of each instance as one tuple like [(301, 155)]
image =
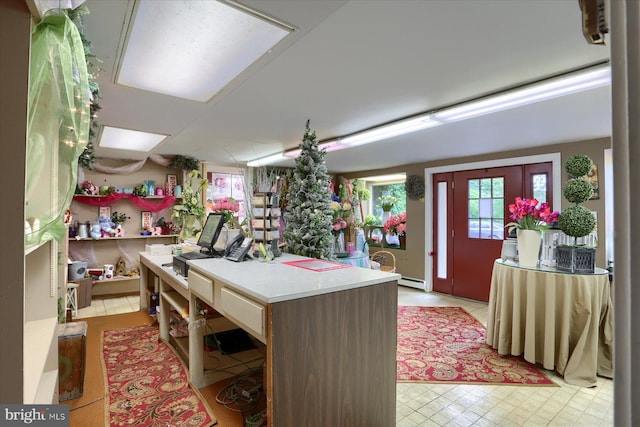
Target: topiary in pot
[(577, 221)]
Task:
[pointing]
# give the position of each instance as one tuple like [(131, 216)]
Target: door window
[(486, 208)]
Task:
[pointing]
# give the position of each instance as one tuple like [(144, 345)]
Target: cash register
[(206, 241)]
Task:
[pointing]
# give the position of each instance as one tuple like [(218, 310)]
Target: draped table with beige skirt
[(560, 320)]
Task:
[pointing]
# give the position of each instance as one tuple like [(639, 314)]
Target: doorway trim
[(556, 163)]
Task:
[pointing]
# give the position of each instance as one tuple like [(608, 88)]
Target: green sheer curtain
[(58, 125)]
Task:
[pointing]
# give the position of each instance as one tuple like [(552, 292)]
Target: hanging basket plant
[(184, 163), (414, 186)]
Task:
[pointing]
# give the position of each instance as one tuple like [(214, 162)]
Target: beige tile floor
[(467, 405), (107, 306)]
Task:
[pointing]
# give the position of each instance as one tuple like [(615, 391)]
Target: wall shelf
[(144, 203), (117, 279), (89, 239)]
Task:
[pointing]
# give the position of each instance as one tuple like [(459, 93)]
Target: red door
[(469, 232), (442, 233)]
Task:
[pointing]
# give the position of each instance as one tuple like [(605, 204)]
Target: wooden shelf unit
[(266, 222), (89, 239), (204, 367), (107, 251)]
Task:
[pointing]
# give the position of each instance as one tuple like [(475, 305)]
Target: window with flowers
[(396, 224), (381, 193)]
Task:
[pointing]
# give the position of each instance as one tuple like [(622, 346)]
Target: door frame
[(556, 163)]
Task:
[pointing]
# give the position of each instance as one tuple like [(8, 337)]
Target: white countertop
[(275, 282)]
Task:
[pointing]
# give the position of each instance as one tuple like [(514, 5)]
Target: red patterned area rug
[(447, 345), (146, 382)]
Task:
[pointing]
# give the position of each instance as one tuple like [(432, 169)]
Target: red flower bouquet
[(527, 215)]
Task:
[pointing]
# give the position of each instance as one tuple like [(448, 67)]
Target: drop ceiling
[(353, 65)]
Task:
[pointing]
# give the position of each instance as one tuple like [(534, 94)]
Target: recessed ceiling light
[(127, 139), (192, 49)]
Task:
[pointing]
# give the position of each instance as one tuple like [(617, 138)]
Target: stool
[(72, 298)]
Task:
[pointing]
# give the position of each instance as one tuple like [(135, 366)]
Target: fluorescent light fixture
[(542, 91), (328, 146), (387, 131), (266, 160), (578, 81), (385, 178), (127, 139), (193, 49)]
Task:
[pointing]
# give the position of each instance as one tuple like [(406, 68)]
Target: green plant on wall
[(87, 159)]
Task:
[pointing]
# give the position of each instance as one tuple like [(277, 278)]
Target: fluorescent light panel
[(266, 160), (328, 146), (127, 139), (537, 92), (590, 78), (193, 49), (387, 131), (385, 178)]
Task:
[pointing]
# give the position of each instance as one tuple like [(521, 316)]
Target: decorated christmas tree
[(309, 214)]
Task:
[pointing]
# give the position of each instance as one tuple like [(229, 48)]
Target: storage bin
[(77, 270), (575, 259), (72, 350)]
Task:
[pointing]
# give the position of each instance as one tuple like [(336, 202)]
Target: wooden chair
[(386, 260), (368, 230)]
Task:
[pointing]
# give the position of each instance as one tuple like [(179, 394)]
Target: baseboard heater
[(412, 282)]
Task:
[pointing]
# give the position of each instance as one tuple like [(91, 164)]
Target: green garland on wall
[(87, 159)]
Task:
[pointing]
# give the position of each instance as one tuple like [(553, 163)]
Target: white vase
[(339, 243), (528, 247), (385, 216)]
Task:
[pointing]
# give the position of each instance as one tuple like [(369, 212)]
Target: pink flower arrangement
[(527, 215), (396, 224), (341, 211), (339, 224), (228, 206)]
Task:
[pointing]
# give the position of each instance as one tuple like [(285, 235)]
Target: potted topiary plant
[(576, 221)]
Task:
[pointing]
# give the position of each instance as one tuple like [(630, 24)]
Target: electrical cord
[(244, 392), (240, 394)]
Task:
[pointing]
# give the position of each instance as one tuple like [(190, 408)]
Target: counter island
[(328, 329)]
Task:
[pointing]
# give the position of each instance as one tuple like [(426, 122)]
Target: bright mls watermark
[(34, 415)]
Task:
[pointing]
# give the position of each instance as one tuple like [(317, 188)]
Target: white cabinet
[(40, 346)]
